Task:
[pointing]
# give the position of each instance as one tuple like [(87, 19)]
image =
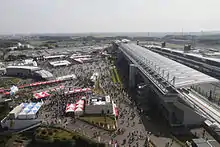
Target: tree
[(5, 52)]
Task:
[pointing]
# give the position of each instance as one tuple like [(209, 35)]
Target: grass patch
[(63, 134), (8, 82), (113, 76), (60, 137), (107, 123), (99, 119), (117, 76)]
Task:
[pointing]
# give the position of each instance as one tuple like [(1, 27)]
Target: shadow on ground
[(152, 119)]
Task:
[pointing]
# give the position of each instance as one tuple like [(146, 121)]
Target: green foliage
[(7, 82), (113, 77), (60, 137), (100, 121), (117, 76)]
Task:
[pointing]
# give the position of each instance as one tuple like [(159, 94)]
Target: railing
[(155, 73)]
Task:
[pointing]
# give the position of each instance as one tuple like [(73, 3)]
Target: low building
[(22, 116), (75, 56), (60, 63), (53, 57), (26, 62), (82, 60), (99, 105), (43, 74), (28, 71), (100, 100), (67, 77), (21, 70), (99, 109)]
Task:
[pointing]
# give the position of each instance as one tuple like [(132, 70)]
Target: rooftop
[(55, 56), (44, 73), (60, 63), (184, 75), (72, 76), (191, 54), (200, 142), (24, 67), (79, 56)]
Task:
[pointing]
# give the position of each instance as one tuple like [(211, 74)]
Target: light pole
[(142, 86)]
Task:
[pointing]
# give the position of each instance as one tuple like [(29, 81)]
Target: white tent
[(78, 109), (31, 114), (23, 114), (13, 90)]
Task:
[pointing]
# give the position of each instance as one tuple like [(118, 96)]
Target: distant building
[(21, 70), (187, 48), (21, 46), (76, 56), (28, 71), (60, 63), (43, 74), (54, 57), (26, 62)]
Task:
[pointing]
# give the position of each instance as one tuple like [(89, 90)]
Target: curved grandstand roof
[(184, 75)]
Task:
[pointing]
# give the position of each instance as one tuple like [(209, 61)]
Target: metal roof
[(44, 73), (184, 75), (55, 56), (200, 142), (60, 63), (190, 53), (24, 67)]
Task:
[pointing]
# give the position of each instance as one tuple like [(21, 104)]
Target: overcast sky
[(74, 16)]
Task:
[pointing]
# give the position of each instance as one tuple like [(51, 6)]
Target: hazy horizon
[(104, 16)]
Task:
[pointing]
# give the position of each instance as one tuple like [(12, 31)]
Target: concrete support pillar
[(132, 73), (119, 57)]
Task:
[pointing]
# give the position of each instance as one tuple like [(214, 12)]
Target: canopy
[(78, 109), (78, 90), (70, 108), (79, 106), (115, 110), (41, 95), (80, 102)]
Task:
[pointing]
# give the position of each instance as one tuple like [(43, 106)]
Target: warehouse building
[(23, 71), (28, 72), (42, 74)]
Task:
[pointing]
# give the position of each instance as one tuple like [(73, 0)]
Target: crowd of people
[(130, 132), (55, 105)]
